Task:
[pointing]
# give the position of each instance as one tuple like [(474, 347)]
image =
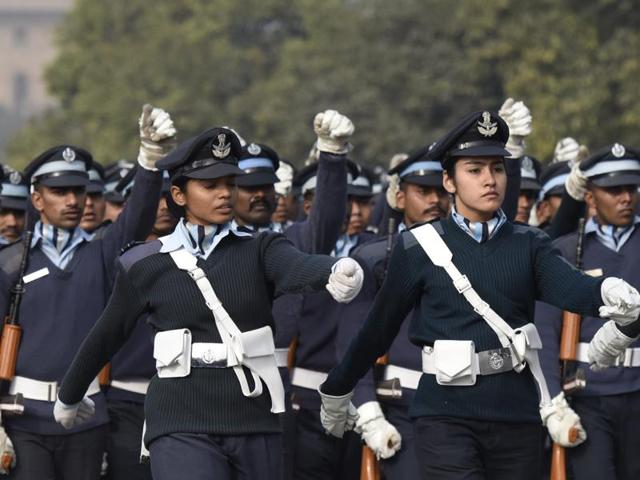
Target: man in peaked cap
[(286, 211), (608, 405), (476, 411), (529, 187), (14, 193), (114, 199), (552, 179), (68, 280), (95, 203)]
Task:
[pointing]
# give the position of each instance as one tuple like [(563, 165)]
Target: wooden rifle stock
[(11, 335), (570, 336), (104, 377)]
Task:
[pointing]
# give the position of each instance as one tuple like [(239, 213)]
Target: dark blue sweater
[(509, 271)]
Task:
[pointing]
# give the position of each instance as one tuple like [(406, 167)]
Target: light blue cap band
[(257, 162), (423, 165)]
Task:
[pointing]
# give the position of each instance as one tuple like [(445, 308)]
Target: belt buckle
[(462, 284), (196, 273)]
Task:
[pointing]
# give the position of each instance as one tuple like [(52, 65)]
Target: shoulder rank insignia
[(486, 127)]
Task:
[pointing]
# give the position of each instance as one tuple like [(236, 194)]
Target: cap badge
[(15, 178), (617, 150), (222, 149), (68, 155), (527, 164), (486, 127), (254, 149)]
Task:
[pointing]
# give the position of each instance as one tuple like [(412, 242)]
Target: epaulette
[(130, 245)]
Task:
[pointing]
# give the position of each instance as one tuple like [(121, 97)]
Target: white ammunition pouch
[(523, 343), (254, 349), (172, 351), (455, 362)]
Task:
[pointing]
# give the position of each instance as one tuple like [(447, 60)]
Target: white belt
[(311, 379), (488, 362), (630, 357), (408, 378), (43, 391), (282, 357), (134, 385)]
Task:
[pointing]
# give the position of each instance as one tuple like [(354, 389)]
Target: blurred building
[(27, 30)]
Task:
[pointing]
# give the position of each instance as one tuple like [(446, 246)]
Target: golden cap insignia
[(222, 149), (617, 150), (254, 149), (15, 178), (486, 127), (68, 155)]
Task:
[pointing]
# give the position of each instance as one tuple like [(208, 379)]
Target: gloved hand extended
[(333, 130), (379, 435), (560, 419), (337, 413), (7, 453), (606, 346), (157, 136), (73, 415), (621, 301), (518, 118), (345, 280)]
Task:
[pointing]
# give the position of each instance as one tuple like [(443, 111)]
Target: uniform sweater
[(510, 271), (246, 273)]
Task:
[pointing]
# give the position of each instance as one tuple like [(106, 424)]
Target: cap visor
[(13, 203), (617, 179), (529, 184), (482, 151), (95, 188), (424, 180), (217, 170), (255, 179), (65, 181), (354, 191), (557, 190), (114, 197)]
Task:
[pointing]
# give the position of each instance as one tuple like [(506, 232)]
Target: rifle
[(573, 378), (11, 335)]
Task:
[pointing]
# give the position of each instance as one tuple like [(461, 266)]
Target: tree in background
[(403, 71)]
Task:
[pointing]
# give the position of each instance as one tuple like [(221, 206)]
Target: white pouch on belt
[(455, 362), (172, 351)]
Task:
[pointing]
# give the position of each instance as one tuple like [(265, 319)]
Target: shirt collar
[(480, 231), (40, 231), (611, 237), (182, 238)]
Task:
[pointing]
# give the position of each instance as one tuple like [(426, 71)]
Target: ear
[(400, 199), (590, 199), (448, 183), (306, 205), (37, 201), (178, 196)]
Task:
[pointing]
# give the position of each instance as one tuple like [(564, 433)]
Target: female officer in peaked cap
[(472, 280), (208, 289)]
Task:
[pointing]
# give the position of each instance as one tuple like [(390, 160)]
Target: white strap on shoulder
[(228, 330)]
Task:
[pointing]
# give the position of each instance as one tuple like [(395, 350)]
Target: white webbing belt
[(260, 366), (134, 385), (43, 391), (630, 357), (282, 356), (408, 378), (305, 378), (524, 342)]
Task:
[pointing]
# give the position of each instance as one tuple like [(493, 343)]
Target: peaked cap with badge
[(61, 166), (613, 166), (552, 179), (96, 179), (362, 185), (305, 179), (14, 191), (530, 169), (213, 153), (420, 168), (259, 164), (479, 134)]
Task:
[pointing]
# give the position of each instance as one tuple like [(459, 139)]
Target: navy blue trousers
[(451, 448), (612, 448), (404, 464), (198, 456), (123, 442), (77, 456)]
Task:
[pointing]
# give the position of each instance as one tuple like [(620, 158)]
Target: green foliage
[(404, 71)]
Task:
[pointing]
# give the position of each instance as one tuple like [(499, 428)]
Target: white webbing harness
[(249, 349), (523, 342)]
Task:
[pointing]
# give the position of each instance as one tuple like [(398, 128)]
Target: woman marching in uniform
[(207, 289), (472, 280)]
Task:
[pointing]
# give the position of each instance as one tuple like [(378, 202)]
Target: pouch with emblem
[(172, 351), (455, 362)]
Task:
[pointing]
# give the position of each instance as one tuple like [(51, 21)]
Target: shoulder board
[(136, 251), (129, 246)]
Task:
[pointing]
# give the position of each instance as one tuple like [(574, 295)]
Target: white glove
[(518, 118), (337, 414), (606, 346), (333, 130), (379, 435), (345, 280), (157, 136), (621, 301), (559, 418), (7, 453), (566, 150), (72, 415), (576, 183), (394, 180)]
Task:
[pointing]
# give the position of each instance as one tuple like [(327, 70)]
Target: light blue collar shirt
[(58, 244), (611, 237), (480, 231)]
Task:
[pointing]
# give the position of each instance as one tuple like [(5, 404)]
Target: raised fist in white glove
[(394, 180), (576, 183), (566, 150), (157, 136), (7, 453), (621, 301), (337, 413), (72, 415), (333, 130), (562, 422), (379, 435), (518, 119), (607, 346), (345, 280)]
